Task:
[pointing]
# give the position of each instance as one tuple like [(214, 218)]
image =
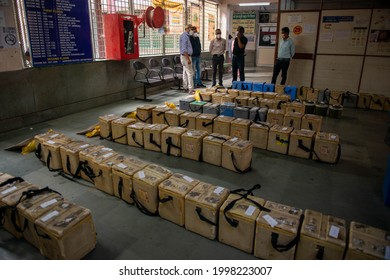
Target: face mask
[(196, 35), (191, 32), (218, 36)]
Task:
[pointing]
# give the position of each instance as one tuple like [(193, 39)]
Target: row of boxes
[(267, 229), (58, 228)]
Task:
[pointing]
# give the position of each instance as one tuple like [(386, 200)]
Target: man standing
[(185, 59), (285, 54), (217, 50), (238, 62), (196, 52)]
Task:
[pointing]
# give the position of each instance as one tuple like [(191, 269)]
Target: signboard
[(59, 31)]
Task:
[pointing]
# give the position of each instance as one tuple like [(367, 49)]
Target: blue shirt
[(286, 49), (185, 44)]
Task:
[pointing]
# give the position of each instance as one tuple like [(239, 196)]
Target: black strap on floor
[(235, 164), (134, 139), (140, 206), (11, 180), (292, 243), (198, 210)]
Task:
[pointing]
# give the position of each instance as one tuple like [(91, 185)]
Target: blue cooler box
[(258, 86), (292, 91), (242, 85), (227, 109), (268, 88)]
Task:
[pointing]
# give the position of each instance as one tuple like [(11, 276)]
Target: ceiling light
[(254, 4)]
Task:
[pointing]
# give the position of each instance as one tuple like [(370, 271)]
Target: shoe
[(213, 85), (220, 85), (185, 89)]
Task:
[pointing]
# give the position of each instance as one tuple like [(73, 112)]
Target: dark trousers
[(218, 61), (280, 65), (238, 63)]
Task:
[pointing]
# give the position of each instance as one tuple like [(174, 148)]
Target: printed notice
[(271, 221), (334, 231)]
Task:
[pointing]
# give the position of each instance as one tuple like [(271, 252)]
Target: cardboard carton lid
[(129, 165), (56, 142), (276, 111), (178, 184), (281, 129), (11, 193), (108, 118), (331, 137), (75, 146), (224, 119), (90, 150), (293, 114), (193, 133), (123, 121), (269, 95), (303, 133), (233, 91), (159, 170), (242, 97), (36, 206), (208, 195), (161, 109), (216, 138), (243, 209), (243, 122), (146, 107), (175, 112), (245, 92), (206, 116), (174, 130), (101, 155), (312, 117), (184, 178), (190, 114), (137, 125), (155, 127), (262, 125)]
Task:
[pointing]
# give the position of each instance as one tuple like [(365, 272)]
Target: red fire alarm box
[(121, 36)]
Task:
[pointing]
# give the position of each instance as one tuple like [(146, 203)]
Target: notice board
[(59, 31), (343, 31), (379, 37)]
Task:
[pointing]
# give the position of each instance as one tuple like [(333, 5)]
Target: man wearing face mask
[(185, 59), (217, 50), (238, 62), (196, 51)]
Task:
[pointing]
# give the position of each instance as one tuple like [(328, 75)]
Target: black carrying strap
[(140, 206), (68, 166), (326, 95), (11, 180), (145, 120), (219, 137), (170, 144), (235, 164), (166, 199), (151, 140), (119, 137), (120, 187), (185, 124), (83, 166), (282, 141), (292, 243), (320, 252), (262, 124), (135, 140), (377, 102), (109, 137), (243, 195), (310, 125), (207, 124), (48, 160), (279, 106), (198, 210), (303, 147), (38, 151)]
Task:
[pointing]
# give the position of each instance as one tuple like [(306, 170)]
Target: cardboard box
[(228, 98), (222, 125), (293, 119), (279, 139), (295, 106), (275, 116), (268, 103), (205, 122), (119, 129), (191, 142), (254, 101), (311, 122), (364, 100), (135, 134), (211, 108), (233, 92), (326, 147), (152, 136), (323, 237), (301, 143), (206, 96), (103, 181), (158, 114), (227, 109), (258, 134), (240, 128), (212, 148), (241, 112), (237, 225), (302, 93), (197, 106), (279, 89), (105, 125), (70, 156), (216, 98), (122, 177), (172, 192), (377, 102), (237, 155), (277, 232), (171, 140), (241, 100), (269, 95), (40, 138), (312, 95), (202, 205), (245, 93), (188, 120), (172, 117), (145, 187), (51, 150), (336, 97), (260, 94), (66, 232), (144, 113)]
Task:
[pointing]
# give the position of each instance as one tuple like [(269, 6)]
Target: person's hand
[(239, 35)]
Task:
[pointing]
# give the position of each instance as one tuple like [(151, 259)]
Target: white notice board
[(379, 36)]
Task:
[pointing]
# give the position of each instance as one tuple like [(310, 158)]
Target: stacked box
[(268, 103), (241, 112), (205, 122), (197, 106), (268, 87), (33, 206), (301, 142), (269, 95), (258, 134), (103, 167), (206, 96), (202, 205), (279, 89), (324, 96), (119, 129), (172, 192), (377, 102), (263, 112), (311, 122), (364, 100), (145, 187), (241, 100), (237, 155), (227, 109), (9, 197), (122, 177), (212, 148), (326, 147), (246, 93), (275, 116), (51, 150), (239, 230), (350, 100), (135, 134), (211, 108), (171, 140), (257, 94), (152, 136), (66, 232), (240, 128), (191, 142), (312, 95), (172, 117), (296, 107), (322, 237), (282, 98), (144, 113), (279, 138), (254, 114), (70, 156), (302, 93), (321, 109), (221, 89), (336, 97), (367, 243), (222, 125), (158, 114), (254, 101), (309, 107), (188, 120), (277, 232), (105, 125), (293, 119), (233, 92), (228, 98), (216, 98)]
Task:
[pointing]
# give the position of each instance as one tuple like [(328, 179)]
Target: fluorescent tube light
[(254, 4)]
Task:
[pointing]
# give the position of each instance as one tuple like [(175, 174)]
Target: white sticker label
[(218, 190), (84, 146), (334, 231), (333, 137), (189, 134), (284, 128), (141, 174), (48, 203), (110, 115), (13, 188), (121, 165), (49, 216), (51, 142), (234, 139), (251, 209), (107, 149), (54, 135), (271, 221), (387, 253), (108, 155), (188, 179)]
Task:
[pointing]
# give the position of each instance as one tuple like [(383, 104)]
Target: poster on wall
[(379, 37), (173, 16), (211, 21), (195, 15), (59, 31), (248, 21)]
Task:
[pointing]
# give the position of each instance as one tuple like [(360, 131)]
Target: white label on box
[(251, 209), (13, 188), (333, 137), (334, 231), (188, 179), (189, 134), (218, 190), (141, 174), (121, 165), (284, 128), (51, 142), (108, 155), (234, 139), (110, 115), (106, 149), (84, 146), (54, 135), (49, 216), (48, 203), (271, 221), (387, 253)]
